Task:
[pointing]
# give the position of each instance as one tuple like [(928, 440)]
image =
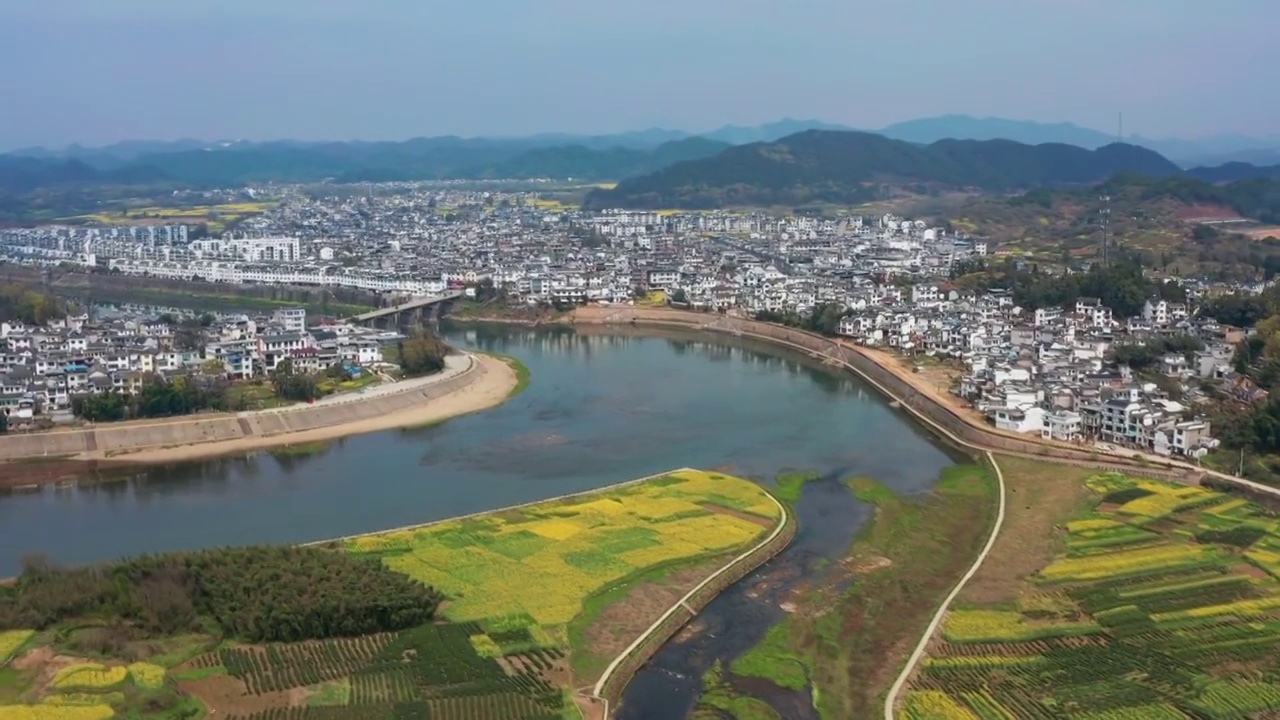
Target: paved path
[(454, 365)]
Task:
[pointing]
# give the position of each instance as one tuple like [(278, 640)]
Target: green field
[(1161, 601)]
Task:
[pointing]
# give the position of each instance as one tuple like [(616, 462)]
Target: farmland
[(1156, 601), (528, 591), (544, 560), (216, 217)]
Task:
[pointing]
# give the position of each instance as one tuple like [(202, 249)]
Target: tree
[(422, 354), (292, 385), (680, 297)]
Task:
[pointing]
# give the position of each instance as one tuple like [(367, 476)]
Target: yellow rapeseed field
[(56, 712), (89, 676), (544, 560), (1125, 562), (983, 626), (931, 705), (147, 675), (11, 640)]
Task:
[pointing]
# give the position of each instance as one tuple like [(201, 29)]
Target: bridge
[(410, 313)]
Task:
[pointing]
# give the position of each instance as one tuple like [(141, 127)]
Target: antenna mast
[(1120, 128), (1106, 230)]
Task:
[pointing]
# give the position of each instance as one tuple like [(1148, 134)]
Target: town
[(1051, 370)]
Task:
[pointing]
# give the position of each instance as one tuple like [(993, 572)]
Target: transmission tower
[(1105, 214)]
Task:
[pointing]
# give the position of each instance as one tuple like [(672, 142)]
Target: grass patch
[(304, 449), (772, 660), (328, 694), (789, 485), (519, 368), (716, 695)]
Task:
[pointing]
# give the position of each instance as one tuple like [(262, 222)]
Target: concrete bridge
[(409, 314)]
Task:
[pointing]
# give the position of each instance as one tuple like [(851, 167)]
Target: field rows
[(1152, 609)]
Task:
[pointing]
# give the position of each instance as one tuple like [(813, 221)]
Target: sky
[(97, 72)]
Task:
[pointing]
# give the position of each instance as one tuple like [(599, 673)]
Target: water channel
[(601, 408)]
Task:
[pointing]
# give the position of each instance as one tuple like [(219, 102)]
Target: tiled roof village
[(1044, 371), (43, 367)]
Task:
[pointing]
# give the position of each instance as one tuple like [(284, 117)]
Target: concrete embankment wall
[(935, 414), (131, 437)]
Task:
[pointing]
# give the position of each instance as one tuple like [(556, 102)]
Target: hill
[(847, 167), (1162, 221), (1233, 171), (924, 131)]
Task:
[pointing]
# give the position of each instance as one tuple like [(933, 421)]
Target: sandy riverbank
[(488, 384)]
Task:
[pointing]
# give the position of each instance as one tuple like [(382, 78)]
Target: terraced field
[(1163, 602)]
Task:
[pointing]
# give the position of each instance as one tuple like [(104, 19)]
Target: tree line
[(29, 306), (159, 398), (256, 594)]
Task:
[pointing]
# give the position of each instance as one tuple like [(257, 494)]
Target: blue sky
[(99, 71)]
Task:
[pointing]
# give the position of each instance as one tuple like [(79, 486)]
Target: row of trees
[(158, 398), (824, 320), (258, 594)]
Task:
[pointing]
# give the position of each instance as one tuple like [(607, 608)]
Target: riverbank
[(470, 383)]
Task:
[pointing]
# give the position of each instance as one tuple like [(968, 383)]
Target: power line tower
[(1105, 215)]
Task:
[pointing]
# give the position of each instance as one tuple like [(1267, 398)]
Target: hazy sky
[(98, 71)]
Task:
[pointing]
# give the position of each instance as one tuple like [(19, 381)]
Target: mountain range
[(849, 167), (1187, 152), (952, 150)]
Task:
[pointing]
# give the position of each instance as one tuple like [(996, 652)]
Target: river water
[(601, 408)]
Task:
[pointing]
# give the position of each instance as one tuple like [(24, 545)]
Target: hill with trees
[(849, 167)]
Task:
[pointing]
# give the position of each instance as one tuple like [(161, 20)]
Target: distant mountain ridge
[(1204, 151), (923, 131), (419, 159), (848, 167), (197, 163)]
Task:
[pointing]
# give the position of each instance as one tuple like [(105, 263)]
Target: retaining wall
[(131, 437)]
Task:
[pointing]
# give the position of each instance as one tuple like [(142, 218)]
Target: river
[(601, 408)]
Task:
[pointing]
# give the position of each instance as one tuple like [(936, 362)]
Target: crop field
[(433, 671), (544, 560), (216, 217), (1162, 603), (11, 641), (84, 691)]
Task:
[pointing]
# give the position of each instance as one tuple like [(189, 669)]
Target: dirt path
[(891, 698)]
